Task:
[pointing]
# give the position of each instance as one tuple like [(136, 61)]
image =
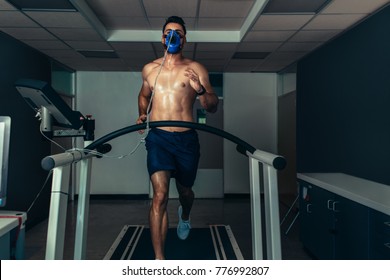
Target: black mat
[(211, 243)]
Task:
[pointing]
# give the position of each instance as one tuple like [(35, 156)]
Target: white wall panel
[(112, 99), (250, 113)]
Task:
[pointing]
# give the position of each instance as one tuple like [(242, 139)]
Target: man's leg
[(158, 217), (186, 198)]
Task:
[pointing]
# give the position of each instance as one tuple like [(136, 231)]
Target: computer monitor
[(40, 94), (5, 130)]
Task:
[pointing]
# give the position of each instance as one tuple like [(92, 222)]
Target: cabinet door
[(306, 218), (352, 230), (316, 221), (379, 235), (322, 199)]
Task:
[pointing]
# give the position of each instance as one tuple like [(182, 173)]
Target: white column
[(271, 204), (57, 214), (257, 246), (82, 217)]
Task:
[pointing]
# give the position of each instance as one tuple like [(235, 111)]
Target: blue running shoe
[(183, 227)]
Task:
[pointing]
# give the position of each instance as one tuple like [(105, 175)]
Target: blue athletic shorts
[(177, 152)]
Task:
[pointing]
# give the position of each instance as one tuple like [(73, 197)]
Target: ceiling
[(224, 35)]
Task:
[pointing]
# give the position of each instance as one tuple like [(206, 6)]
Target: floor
[(107, 218)]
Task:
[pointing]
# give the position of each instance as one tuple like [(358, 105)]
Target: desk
[(16, 234), (368, 193), (6, 226), (344, 217)]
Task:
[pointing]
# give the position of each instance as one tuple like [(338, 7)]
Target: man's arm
[(143, 99), (208, 100), (199, 80)]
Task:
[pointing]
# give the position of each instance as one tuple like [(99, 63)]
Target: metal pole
[(272, 225), (80, 247), (57, 214), (257, 246)]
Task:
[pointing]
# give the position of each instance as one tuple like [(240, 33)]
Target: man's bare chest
[(169, 80)]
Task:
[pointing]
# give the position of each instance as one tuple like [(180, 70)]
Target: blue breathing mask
[(172, 42)]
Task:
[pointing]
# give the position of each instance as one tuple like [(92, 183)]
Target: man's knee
[(184, 191), (160, 197)]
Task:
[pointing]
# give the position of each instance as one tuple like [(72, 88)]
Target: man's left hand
[(194, 79)]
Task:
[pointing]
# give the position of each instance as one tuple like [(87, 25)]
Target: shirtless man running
[(172, 84)]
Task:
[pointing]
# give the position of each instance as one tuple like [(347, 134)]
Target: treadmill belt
[(215, 242)]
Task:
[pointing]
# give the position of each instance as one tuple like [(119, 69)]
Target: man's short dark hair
[(175, 19)]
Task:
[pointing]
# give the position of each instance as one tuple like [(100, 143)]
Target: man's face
[(179, 30)]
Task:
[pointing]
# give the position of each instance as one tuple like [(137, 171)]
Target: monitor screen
[(39, 93), (5, 130)]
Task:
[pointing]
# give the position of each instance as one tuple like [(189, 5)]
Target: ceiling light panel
[(268, 36), (281, 22), (29, 33), (261, 47), (294, 6), (220, 23), (314, 35), (346, 7), (76, 34), (322, 22), (116, 8), (166, 8), (112, 23), (299, 46), (89, 45), (231, 8), (59, 19), (47, 45), (15, 19), (42, 4)]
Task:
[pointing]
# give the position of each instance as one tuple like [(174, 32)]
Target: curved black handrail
[(242, 146)]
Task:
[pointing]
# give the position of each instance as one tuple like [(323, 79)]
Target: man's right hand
[(141, 119)]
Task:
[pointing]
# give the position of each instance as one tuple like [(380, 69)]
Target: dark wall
[(27, 147), (343, 103)]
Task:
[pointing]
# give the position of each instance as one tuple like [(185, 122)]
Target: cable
[(52, 141), (39, 193), (94, 152)]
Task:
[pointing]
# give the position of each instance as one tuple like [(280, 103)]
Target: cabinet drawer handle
[(308, 210), (329, 204), (387, 224), (387, 245), (334, 206)]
